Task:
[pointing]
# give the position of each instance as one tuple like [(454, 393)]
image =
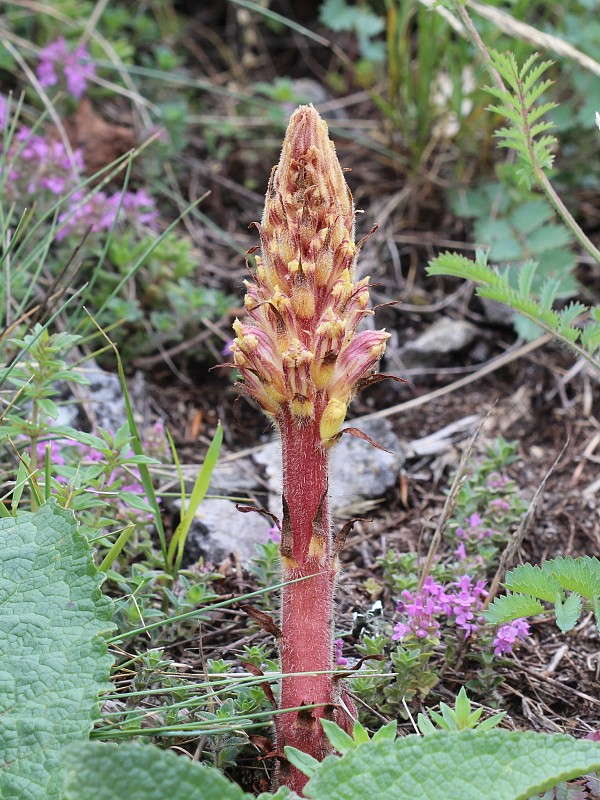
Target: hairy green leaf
[(498, 765), (54, 661), (96, 771)]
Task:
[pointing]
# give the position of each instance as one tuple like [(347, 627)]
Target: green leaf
[(177, 543), (499, 765), (532, 580), (512, 606), (97, 771), (360, 734), (302, 761), (283, 793), (581, 575), (388, 732), (54, 661), (567, 612), (340, 740)]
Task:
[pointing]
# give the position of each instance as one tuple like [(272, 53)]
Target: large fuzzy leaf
[(498, 765), (130, 771), (53, 661)]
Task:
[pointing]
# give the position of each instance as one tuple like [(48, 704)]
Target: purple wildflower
[(274, 534), (75, 66), (507, 635), (339, 658), (466, 602), (461, 552), (497, 481), (422, 608)]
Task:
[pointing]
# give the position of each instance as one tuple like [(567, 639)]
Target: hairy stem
[(307, 606)]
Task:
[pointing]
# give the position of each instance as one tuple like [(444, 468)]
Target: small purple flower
[(274, 534), (507, 635), (339, 658), (75, 66), (466, 602), (461, 551), (497, 481)]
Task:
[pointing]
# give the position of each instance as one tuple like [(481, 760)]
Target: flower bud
[(301, 356)]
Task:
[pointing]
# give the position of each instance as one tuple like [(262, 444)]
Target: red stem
[(307, 606)]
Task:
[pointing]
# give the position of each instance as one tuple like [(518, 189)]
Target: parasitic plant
[(302, 360)]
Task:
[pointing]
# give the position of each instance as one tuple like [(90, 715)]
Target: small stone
[(220, 529), (358, 471), (444, 337)]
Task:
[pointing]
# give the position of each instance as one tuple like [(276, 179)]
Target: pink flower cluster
[(473, 531), (100, 211), (56, 61), (458, 604), (36, 164), (38, 167), (508, 634)]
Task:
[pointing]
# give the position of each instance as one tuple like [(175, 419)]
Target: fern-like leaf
[(494, 284), (517, 105)]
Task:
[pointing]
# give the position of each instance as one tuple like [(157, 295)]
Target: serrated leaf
[(54, 661), (532, 580), (97, 771), (567, 612), (512, 606), (498, 765), (548, 237), (581, 575)]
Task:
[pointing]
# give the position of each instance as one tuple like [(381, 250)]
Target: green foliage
[(471, 766), (530, 583), (495, 284), (496, 765), (162, 295), (338, 15), (518, 228), (459, 718), (518, 104), (130, 771), (488, 505), (190, 506), (54, 661)]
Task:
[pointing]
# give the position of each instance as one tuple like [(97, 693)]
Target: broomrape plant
[(302, 360)]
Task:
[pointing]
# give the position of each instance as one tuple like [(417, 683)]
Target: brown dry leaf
[(102, 142)]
